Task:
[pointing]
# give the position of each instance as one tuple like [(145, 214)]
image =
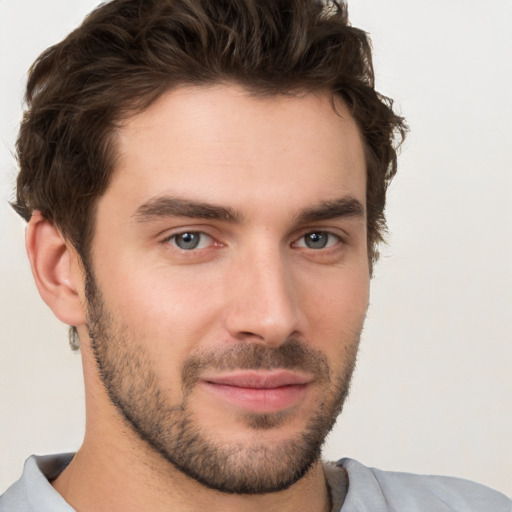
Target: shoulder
[(33, 491), (376, 490)]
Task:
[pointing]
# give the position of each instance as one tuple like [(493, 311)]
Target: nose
[(263, 303)]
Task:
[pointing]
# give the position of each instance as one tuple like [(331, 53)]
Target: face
[(229, 279)]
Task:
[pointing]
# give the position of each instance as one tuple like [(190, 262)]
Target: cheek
[(336, 307), (171, 311)]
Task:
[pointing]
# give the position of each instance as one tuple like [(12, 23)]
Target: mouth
[(262, 392)]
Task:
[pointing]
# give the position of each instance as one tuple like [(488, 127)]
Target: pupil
[(187, 240), (316, 240)]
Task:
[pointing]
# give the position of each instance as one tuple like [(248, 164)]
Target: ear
[(56, 269)]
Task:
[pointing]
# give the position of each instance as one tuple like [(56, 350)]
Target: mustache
[(291, 355)]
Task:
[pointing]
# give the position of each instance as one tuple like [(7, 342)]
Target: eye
[(190, 240), (317, 240)]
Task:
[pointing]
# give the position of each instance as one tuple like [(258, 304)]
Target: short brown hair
[(127, 53)]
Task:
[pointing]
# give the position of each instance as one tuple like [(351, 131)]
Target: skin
[(253, 280)]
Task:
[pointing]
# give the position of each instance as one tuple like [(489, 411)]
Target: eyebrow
[(168, 206), (332, 209)]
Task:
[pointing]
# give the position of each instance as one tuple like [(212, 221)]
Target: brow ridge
[(169, 206), (332, 209)]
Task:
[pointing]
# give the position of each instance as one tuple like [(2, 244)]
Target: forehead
[(220, 143)]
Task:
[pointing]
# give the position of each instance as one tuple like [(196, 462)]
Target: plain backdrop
[(433, 388)]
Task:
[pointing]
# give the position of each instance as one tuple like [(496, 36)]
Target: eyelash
[(192, 233), (330, 239)]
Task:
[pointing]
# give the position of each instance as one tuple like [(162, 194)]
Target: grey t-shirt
[(354, 488)]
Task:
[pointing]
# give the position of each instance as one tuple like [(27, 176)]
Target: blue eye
[(318, 240), (190, 240)]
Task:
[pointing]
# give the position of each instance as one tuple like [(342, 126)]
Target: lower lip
[(259, 400)]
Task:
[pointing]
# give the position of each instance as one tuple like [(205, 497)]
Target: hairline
[(141, 105)]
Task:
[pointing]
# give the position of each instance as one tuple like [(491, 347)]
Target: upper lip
[(258, 379)]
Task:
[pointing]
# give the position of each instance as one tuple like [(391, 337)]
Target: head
[(128, 53), (286, 92)]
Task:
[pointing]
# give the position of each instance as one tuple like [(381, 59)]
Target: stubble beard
[(174, 432)]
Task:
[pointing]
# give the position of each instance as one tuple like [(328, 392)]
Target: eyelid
[(330, 229), (339, 239), (170, 237)]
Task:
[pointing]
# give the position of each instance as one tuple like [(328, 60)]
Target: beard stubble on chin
[(175, 432)]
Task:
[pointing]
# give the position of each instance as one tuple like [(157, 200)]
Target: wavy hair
[(127, 53)]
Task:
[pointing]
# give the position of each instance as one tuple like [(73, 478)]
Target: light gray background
[(433, 389)]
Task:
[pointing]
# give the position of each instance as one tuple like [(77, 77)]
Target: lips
[(259, 391)]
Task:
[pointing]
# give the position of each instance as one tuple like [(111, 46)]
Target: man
[(205, 186)]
